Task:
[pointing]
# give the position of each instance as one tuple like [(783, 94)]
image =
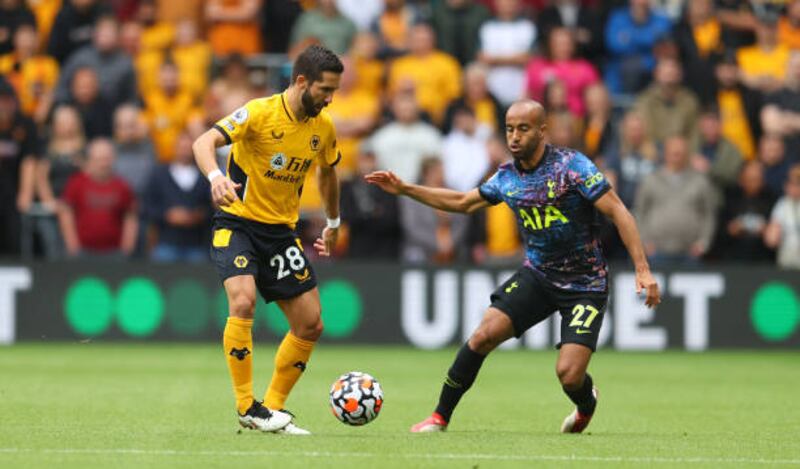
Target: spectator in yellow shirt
[(435, 76), (370, 70), (157, 35), (738, 107), (169, 110), (355, 113), (33, 75), (45, 12), (193, 57), (393, 25), (478, 98), (499, 238), (763, 65), (191, 54)]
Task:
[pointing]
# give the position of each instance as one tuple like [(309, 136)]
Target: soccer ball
[(356, 398)]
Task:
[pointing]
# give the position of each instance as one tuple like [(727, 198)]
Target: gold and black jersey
[(270, 156)]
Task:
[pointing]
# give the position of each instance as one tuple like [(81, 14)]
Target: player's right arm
[(436, 197), (223, 190)]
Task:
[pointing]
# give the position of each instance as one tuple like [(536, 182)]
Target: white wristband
[(214, 174), (334, 222)]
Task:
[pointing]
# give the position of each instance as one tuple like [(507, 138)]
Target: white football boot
[(291, 428), (259, 417)]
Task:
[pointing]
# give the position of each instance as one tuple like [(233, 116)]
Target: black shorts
[(528, 300), (270, 253)]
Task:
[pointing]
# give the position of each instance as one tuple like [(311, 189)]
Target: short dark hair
[(315, 60)]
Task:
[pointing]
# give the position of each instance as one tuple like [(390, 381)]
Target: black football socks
[(583, 397), (459, 379)]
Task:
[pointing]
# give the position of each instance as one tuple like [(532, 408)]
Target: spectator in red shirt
[(99, 210), (560, 63)]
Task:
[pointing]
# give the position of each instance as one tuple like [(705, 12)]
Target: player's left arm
[(594, 187), (611, 206), (328, 183), (329, 190)]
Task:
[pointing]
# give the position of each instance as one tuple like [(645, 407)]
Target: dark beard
[(525, 153), (309, 106)]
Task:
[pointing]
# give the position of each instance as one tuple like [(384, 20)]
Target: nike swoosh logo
[(583, 331), (512, 194)]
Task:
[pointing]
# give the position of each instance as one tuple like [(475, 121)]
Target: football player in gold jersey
[(275, 140)]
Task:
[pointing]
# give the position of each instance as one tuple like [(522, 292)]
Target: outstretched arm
[(439, 198), (611, 206)]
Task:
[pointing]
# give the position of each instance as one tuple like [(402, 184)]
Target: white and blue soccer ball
[(356, 398)]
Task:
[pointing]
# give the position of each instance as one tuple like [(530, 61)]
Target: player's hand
[(386, 180), (326, 243), (645, 282), (223, 191)]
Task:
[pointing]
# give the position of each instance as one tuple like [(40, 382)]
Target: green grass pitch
[(145, 405)]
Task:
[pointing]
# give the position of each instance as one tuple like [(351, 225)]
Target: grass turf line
[(134, 405)]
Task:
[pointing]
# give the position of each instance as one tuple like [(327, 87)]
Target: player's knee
[(310, 330), (242, 305), (570, 374), (482, 341)]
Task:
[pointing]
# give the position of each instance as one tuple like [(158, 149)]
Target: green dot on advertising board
[(341, 308), (140, 307), (187, 308), (89, 306), (775, 311)]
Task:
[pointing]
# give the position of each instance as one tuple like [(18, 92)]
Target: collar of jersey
[(547, 149), (287, 109)]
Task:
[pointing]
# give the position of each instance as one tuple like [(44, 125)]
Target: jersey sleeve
[(235, 126), (330, 154), (490, 190), (589, 181)]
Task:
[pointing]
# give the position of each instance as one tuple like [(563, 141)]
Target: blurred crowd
[(691, 108)]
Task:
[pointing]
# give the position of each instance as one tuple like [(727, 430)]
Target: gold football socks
[(237, 341), (290, 362)]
